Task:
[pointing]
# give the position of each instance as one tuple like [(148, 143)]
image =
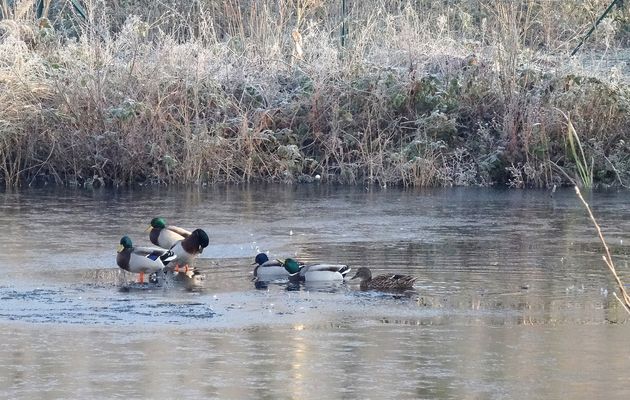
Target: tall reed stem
[(625, 299)]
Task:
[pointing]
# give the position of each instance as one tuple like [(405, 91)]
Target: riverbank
[(424, 96)]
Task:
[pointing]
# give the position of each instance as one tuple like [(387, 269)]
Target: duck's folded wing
[(341, 268), (168, 238), (408, 279), (180, 231), (271, 263), (150, 251)]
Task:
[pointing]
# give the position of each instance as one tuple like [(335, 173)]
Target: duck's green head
[(158, 222), (292, 266), (125, 243), (201, 237)]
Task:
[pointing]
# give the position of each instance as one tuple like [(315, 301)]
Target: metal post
[(594, 26), (344, 22)]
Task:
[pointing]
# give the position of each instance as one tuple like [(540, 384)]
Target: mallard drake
[(141, 260), (189, 248), (315, 272), (165, 236), (383, 282), (268, 270)]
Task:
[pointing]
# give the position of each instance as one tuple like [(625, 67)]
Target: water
[(512, 300)]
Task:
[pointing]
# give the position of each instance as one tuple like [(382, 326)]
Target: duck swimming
[(383, 282), (165, 236), (316, 272), (268, 270), (141, 260)]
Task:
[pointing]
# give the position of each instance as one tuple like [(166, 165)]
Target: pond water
[(512, 298)]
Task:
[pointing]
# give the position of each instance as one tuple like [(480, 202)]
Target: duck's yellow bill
[(148, 229), (120, 248)]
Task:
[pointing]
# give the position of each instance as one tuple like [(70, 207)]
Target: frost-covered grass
[(423, 93)]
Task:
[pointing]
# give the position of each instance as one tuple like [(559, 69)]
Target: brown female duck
[(383, 282)]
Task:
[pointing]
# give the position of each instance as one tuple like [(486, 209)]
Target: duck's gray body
[(143, 259), (270, 271), (323, 272)]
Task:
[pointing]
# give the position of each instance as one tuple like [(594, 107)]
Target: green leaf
[(76, 4)]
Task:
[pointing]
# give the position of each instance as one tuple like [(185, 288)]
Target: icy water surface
[(512, 298)]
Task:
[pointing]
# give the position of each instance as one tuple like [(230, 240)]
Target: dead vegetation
[(419, 94)]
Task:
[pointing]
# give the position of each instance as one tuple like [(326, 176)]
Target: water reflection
[(512, 299)]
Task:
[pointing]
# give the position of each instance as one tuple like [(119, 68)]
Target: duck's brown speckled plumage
[(385, 281)]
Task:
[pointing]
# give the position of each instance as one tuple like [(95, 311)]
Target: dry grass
[(207, 91)]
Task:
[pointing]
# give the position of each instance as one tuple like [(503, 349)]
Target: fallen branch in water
[(625, 299)]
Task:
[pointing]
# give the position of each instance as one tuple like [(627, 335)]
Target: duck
[(315, 272), (383, 282), (142, 260), (267, 270), (188, 249), (165, 236)]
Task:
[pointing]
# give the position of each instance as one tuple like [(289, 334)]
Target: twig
[(607, 258), (615, 170), (563, 173)]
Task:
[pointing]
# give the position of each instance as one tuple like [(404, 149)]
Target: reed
[(420, 94), (625, 298), (584, 170)]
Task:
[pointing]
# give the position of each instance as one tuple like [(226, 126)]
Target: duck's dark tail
[(344, 270), (168, 256)]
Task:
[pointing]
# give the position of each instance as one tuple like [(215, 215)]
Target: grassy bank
[(421, 93)]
